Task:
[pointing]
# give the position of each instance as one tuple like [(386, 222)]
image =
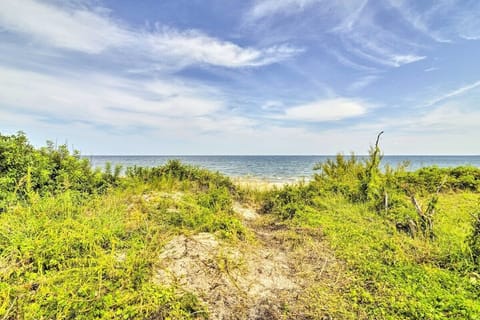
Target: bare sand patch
[(246, 213), (269, 278), (235, 283), (258, 183)]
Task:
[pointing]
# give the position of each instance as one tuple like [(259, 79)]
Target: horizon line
[(275, 155)]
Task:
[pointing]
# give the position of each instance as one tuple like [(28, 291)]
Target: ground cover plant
[(358, 241), (408, 261)]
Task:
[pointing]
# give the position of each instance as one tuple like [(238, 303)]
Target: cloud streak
[(265, 8), (90, 31), (367, 42), (190, 47), (454, 93), (325, 110), (105, 100), (458, 20)]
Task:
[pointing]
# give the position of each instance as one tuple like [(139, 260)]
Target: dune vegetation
[(358, 241)]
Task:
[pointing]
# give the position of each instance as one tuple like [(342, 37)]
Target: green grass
[(67, 256), (395, 276)]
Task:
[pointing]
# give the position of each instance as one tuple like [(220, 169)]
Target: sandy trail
[(258, 279)]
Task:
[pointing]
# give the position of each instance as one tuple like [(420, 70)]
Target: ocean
[(274, 168)]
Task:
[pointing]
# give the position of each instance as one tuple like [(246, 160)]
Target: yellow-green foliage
[(395, 276), (48, 170), (75, 256), (82, 244)]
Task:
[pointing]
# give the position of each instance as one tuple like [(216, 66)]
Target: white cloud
[(164, 110), (265, 8), (196, 47), (457, 20), (352, 15), (272, 105), (418, 20), (367, 42), (78, 29), (103, 100), (325, 110), (398, 60), (454, 93), (91, 31), (373, 43), (363, 82), (450, 117)]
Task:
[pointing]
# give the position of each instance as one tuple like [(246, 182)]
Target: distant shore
[(262, 183)]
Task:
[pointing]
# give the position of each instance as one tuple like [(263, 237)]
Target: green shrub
[(175, 170), (288, 201), (340, 176), (474, 241), (48, 170)]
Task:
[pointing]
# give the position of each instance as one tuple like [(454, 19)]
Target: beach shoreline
[(259, 183)]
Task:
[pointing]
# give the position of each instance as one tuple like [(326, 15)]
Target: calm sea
[(274, 168)]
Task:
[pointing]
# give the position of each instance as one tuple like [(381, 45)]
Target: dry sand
[(249, 280)]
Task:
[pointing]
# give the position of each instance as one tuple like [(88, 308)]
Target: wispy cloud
[(458, 20), (92, 31), (195, 47), (369, 48), (352, 16), (106, 100), (367, 42), (76, 29), (325, 110), (265, 8), (453, 93), (418, 20), (449, 117), (367, 39), (363, 82)]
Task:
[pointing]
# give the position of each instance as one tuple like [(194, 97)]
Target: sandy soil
[(253, 280)]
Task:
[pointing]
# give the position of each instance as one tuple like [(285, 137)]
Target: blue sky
[(242, 77)]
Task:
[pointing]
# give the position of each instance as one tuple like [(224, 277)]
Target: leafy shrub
[(48, 170), (340, 176), (428, 179), (288, 201), (174, 169), (474, 242)]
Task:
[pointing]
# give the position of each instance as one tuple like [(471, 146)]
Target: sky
[(180, 77)]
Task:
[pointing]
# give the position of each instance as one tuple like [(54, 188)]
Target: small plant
[(370, 184), (473, 241)]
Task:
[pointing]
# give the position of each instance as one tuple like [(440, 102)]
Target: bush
[(48, 170), (175, 170), (428, 179), (474, 242), (288, 201), (340, 176)]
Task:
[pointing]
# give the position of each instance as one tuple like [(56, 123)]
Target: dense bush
[(48, 170), (342, 175), (288, 201), (428, 179), (474, 241), (174, 169)]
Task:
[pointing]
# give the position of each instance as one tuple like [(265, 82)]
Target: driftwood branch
[(417, 205), (375, 153)]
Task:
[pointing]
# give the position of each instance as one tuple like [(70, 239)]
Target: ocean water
[(274, 168)]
